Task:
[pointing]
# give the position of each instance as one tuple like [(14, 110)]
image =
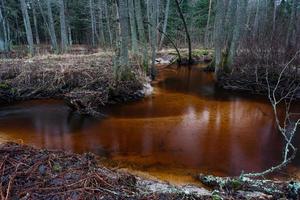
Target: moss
[(216, 195), (56, 167), (235, 184), (4, 86), (200, 52)]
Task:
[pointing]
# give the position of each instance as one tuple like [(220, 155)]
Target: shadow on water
[(187, 126)]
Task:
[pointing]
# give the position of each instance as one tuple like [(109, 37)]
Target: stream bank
[(85, 82), (29, 173)]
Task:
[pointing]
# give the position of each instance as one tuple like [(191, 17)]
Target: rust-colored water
[(187, 127)]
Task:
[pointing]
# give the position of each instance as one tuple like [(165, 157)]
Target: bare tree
[(165, 24), (124, 34), (27, 26), (287, 125), (101, 27), (207, 24), (218, 34), (186, 31), (132, 26), (63, 27), (238, 30), (3, 29), (51, 28), (93, 22), (37, 38), (108, 23)]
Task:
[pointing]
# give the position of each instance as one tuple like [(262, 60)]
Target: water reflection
[(187, 125)]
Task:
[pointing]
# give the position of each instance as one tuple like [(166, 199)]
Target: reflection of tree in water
[(77, 122)]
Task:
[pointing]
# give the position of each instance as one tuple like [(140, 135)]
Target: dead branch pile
[(84, 81), (28, 173)]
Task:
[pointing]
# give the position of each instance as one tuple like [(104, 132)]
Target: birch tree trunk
[(218, 34), (165, 24), (51, 26), (63, 28), (132, 26), (36, 29), (27, 26)]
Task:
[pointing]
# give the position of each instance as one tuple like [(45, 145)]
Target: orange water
[(188, 126)]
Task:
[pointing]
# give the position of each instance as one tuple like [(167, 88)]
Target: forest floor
[(29, 173)]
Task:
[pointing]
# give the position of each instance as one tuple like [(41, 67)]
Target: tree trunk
[(141, 33), (108, 24), (63, 28), (140, 24), (36, 29), (274, 17), (207, 25), (218, 34), (93, 25), (186, 31), (291, 34), (4, 30), (27, 26), (51, 26), (256, 20), (101, 27), (132, 26), (165, 24), (238, 30), (124, 33), (230, 22), (152, 14)]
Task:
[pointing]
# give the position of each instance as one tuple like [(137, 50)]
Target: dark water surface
[(188, 126)]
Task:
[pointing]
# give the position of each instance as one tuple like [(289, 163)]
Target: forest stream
[(188, 126)]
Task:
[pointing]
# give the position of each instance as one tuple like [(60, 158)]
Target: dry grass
[(84, 81)]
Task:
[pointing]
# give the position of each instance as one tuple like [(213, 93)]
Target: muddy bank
[(28, 173), (85, 82)]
